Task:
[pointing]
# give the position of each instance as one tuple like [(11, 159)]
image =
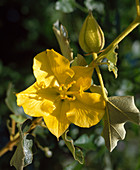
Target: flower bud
[(91, 38)]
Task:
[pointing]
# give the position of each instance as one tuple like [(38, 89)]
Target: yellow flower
[(58, 94)]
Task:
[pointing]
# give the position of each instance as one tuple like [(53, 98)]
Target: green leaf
[(111, 56), (112, 67), (26, 125), (85, 142), (11, 100), (23, 155), (79, 61), (62, 38), (76, 152), (119, 110), (74, 166), (66, 6), (18, 118)]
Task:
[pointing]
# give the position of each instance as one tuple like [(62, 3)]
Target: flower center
[(65, 92)]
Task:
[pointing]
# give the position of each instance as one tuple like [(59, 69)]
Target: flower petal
[(50, 67), (87, 110), (82, 77), (36, 100), (57, 122)]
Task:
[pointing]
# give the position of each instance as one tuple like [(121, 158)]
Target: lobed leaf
[(119, 110), (111, 56), (76, 152), (62, 38)]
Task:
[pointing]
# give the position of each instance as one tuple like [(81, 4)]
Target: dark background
[(26, 30)]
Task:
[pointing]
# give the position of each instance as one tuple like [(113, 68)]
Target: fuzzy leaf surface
[(23, 155), (119, 110)]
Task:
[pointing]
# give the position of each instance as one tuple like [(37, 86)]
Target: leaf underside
[(119, 110), (23, 155), (62, 38)]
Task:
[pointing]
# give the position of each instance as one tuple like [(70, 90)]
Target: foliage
[(27, 28)]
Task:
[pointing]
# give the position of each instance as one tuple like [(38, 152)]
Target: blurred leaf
[(85, 142), (23, 155), (66, 6), (26, 125), (119, 110), (18, 118), (76, 152), (62, 38), (11, 100), (74, 166), (92, 5), (79, 61)]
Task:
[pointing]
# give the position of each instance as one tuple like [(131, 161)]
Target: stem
[(138, 7), (100, 78), (9, 146), (129, 29), (101, 83), (13, 129)]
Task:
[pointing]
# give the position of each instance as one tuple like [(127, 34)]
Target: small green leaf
[(119, 110), (23, 155), (18, 118), (76, 152), (62, 38), (85, 142), (111, 56), (79, 61), (97, 89), (112, 67)]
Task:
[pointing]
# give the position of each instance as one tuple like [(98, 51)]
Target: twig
[(138, 7), (9, 146)]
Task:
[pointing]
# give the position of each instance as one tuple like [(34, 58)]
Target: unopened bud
[(91, 38)]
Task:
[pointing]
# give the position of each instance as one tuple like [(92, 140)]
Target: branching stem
[(9, 146), (129, 29)]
